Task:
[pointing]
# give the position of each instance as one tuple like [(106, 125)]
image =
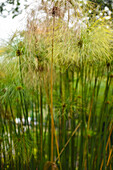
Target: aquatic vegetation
[(56, 93)]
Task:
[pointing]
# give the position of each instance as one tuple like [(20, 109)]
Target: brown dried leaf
[(50, 166)]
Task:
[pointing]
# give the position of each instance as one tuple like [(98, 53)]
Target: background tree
[(12, 7)]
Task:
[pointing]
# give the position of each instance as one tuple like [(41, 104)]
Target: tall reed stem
[(52, 120)]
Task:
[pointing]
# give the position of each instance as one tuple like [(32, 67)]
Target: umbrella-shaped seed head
[(19, 87), (18, 53), (80, 43)]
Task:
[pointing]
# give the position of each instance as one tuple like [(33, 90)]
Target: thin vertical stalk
[(32, 108), (66, 121), (49, 130), (41, 123), (11, 110), (60, 117), (49, 135), (102, 120), (25, 104), (52, 120), (72, 126), (82, 118), (0, 142), (37, 126)]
